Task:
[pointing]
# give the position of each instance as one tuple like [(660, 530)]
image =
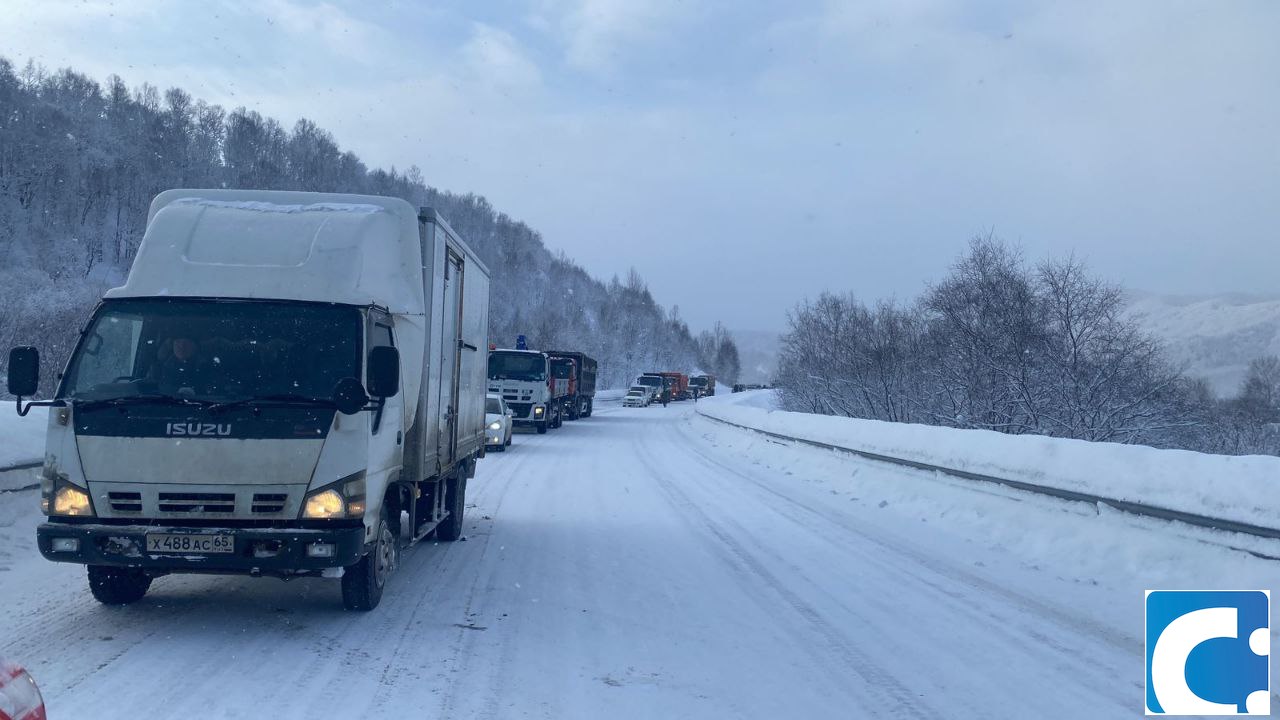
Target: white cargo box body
[(345, 249)]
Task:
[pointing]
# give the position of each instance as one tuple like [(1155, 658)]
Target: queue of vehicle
[(542, 389), (667, 386)]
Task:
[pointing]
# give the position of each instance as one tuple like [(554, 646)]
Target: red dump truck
[(679, 384)]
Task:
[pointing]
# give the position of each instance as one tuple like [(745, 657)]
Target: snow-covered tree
[(80, 163)]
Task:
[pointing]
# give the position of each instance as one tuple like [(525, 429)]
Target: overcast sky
[(743, 156)]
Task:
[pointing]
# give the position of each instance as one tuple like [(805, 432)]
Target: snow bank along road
[(649, 563)]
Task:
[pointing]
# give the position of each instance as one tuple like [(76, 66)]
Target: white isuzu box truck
[(287, 384)]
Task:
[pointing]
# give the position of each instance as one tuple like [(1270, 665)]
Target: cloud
[(877, 134), (598, 35), (327, 24), (496, 58)]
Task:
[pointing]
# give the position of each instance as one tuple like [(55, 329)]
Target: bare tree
[(1000, 346)]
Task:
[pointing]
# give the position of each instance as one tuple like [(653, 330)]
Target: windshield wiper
[(285, 400), (144, 399)]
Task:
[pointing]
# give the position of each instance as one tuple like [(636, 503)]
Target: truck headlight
[(537, 411), (342, 499), (495, 425), (325, 504), (71, 501)]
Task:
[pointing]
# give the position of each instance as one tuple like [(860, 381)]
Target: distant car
[(638, 396), (497, 423), (19, 697)]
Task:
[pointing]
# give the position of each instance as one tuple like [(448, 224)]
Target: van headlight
[(495, 425), (325, 504), (342, 499), (59, 497)]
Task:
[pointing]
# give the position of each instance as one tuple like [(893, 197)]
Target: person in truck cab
[(184, 366)]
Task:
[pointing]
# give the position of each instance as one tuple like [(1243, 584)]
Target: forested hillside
[(80, 162)]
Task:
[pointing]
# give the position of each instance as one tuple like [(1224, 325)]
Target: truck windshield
[(517, 366), (214, 350), (650, 380)]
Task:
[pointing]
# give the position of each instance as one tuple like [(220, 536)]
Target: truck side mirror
[(24, 371), (384, 372), (349, 396)]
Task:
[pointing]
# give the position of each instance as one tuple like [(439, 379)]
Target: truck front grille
[(125, 501), (208, 502), (197, 502), (269, 502)]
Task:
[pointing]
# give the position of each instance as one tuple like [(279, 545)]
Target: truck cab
[(656, 384), (702, 386), (524, 379)]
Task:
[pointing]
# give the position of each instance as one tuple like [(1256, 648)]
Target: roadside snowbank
[(1235, 488), (21, 438)]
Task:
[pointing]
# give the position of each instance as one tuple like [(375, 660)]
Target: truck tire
[(455, 499), (587, 411), (363, 583), (117, 586), (542, 427)]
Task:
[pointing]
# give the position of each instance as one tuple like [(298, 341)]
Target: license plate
[(189, 544)]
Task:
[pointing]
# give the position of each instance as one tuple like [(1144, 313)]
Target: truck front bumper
[(535, 415), (265, 551)]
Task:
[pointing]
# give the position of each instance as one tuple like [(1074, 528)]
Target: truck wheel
[(362, 583), (455, 499), (117, 586), (542, 428)]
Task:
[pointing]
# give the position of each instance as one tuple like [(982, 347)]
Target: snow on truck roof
[(258, 244)]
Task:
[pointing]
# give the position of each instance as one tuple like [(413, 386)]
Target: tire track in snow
[(444, 568), (1111, 636), (466, 641), (959, 590), (879, 691)]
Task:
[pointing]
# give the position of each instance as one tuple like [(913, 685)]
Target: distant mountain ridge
[(758, 354), (1212, 336)]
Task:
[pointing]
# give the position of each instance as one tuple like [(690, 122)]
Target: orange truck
[(679, 384)]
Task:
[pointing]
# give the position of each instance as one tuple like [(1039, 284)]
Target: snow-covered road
[(640, 563)]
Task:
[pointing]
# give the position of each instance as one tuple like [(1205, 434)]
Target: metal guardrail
[(1133, 508), (21, 466)]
